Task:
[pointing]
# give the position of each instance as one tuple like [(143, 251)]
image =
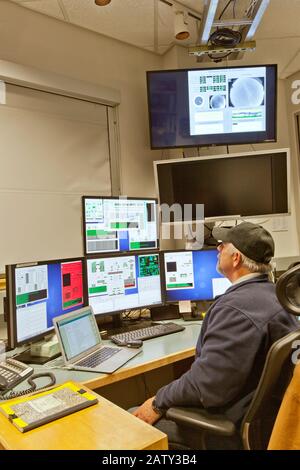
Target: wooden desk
[(156, 353), (104, 426)]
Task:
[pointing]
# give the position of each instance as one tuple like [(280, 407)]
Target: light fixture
[(181, 29), (102, 3)]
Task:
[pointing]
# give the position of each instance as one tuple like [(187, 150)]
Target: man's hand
[(146, 412)]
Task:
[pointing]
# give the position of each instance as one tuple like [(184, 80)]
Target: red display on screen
[(71, 284)]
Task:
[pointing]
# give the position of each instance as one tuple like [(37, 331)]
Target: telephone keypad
[(13, 372)]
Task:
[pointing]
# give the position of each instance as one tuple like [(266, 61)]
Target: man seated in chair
[(236, 334)]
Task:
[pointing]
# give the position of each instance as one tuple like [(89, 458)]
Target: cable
[(33, 386), (223, 37), (225, 8), (218, 58)]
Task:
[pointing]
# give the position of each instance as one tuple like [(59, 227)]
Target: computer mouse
[(135, 343)]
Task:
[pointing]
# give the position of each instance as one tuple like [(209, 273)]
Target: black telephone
[(12, 372)]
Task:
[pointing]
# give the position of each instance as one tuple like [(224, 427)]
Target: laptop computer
[(82, 347)]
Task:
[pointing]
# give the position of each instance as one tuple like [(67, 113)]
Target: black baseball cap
[(251, 240)]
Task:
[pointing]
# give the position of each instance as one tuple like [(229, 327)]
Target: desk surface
[(100, 427), (108, 420), (155, 353)]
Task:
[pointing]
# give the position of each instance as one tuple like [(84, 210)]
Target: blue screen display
[(44, 291), (192, 275)]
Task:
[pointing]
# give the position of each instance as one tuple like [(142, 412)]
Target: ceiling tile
[(132, 22), (48, 7), (280, 19)]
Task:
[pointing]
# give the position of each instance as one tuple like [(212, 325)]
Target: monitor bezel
[(157, 163), (142, 250), (115, 255), (199, 145), (205, 248), (11, 296)]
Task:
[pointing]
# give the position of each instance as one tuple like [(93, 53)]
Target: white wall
[(30, 38)]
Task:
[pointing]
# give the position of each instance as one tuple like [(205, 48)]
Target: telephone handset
[(12, 372)]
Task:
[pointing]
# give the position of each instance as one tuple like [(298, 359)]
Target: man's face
[(225, 259)]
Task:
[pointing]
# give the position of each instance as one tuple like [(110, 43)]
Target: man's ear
[(237, 259)]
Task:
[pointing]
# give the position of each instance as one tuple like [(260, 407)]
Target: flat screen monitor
[(212, 106), (118, 283), (112, 224), (38, 292), (192, 275), (235, 185)]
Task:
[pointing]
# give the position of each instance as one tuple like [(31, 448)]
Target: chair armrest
[(199, 419)]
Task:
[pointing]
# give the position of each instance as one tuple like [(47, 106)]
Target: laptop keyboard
[(98, 357)]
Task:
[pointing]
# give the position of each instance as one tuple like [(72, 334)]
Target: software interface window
[(192, 275), (78, 334), (45, 291), (123, 282), (225, 101), (120, 224)]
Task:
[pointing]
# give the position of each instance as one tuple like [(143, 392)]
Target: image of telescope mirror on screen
[(215, 106)]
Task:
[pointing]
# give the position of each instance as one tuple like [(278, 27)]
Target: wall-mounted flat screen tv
[(212, 106), (240, 185)]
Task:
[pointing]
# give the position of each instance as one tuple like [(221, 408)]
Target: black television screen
[(212, 106), (245, 185)]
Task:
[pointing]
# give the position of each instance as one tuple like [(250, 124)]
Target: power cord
[(32, 388)]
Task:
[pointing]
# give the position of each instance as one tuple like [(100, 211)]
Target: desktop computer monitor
[(192, 275), (39, 291), (113, 224), (122, 282)]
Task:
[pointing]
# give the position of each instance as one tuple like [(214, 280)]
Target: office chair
[(288, 290), (258, 422)]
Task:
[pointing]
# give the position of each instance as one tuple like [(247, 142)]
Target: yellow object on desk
[(103, 426), (32, 411)]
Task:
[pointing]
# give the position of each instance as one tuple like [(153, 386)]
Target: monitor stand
[(119, 325), (40, 352)]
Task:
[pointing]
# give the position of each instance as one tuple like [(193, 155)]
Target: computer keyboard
[(98, 357), (160, 329)]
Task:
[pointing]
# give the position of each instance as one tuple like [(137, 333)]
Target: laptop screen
[(78, 333)]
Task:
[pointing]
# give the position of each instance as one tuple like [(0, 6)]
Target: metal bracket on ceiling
[(246, 26)]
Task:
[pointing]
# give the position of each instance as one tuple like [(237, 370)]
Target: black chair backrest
[(258, 422), (288, 290)]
